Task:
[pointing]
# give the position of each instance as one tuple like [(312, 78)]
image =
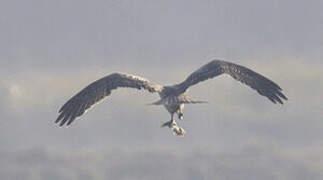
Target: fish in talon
[(172, 97), (178, 131)]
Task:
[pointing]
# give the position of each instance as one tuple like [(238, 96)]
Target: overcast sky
[(49, 50)]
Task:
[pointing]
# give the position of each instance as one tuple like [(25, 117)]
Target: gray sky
[(49, 50)]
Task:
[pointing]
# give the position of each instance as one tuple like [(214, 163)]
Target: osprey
[(172, 97)]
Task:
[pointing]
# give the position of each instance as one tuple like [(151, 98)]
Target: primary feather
[(172, 97), (98, 90), (261, 84)]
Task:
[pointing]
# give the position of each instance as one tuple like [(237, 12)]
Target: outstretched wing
[(256, 81), (98, 90)]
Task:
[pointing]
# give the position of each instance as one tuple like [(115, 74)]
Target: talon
[(163, 124), (173, 124), (180, 116), (169, 124)]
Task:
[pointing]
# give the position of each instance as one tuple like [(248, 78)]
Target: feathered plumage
[(256, 81), (172, 97), (98, 90)]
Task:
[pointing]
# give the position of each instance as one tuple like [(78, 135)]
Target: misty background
[(50, 50)]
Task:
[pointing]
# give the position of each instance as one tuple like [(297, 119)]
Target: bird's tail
[(196, 102), (188, 100), (179, 100), (159, 102)]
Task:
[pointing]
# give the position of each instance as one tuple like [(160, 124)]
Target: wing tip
[(277, 97), (63, 122)]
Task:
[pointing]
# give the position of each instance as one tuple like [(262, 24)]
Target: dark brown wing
[(98, 90), (256, 81)]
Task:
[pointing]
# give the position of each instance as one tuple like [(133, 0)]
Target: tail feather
[(187, 100), (182, 99), (159, 102)]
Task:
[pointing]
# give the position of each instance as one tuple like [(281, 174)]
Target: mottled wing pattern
[(98, 90), (261, 84)]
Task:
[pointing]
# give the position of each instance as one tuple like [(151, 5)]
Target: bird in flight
[(172, 97)]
